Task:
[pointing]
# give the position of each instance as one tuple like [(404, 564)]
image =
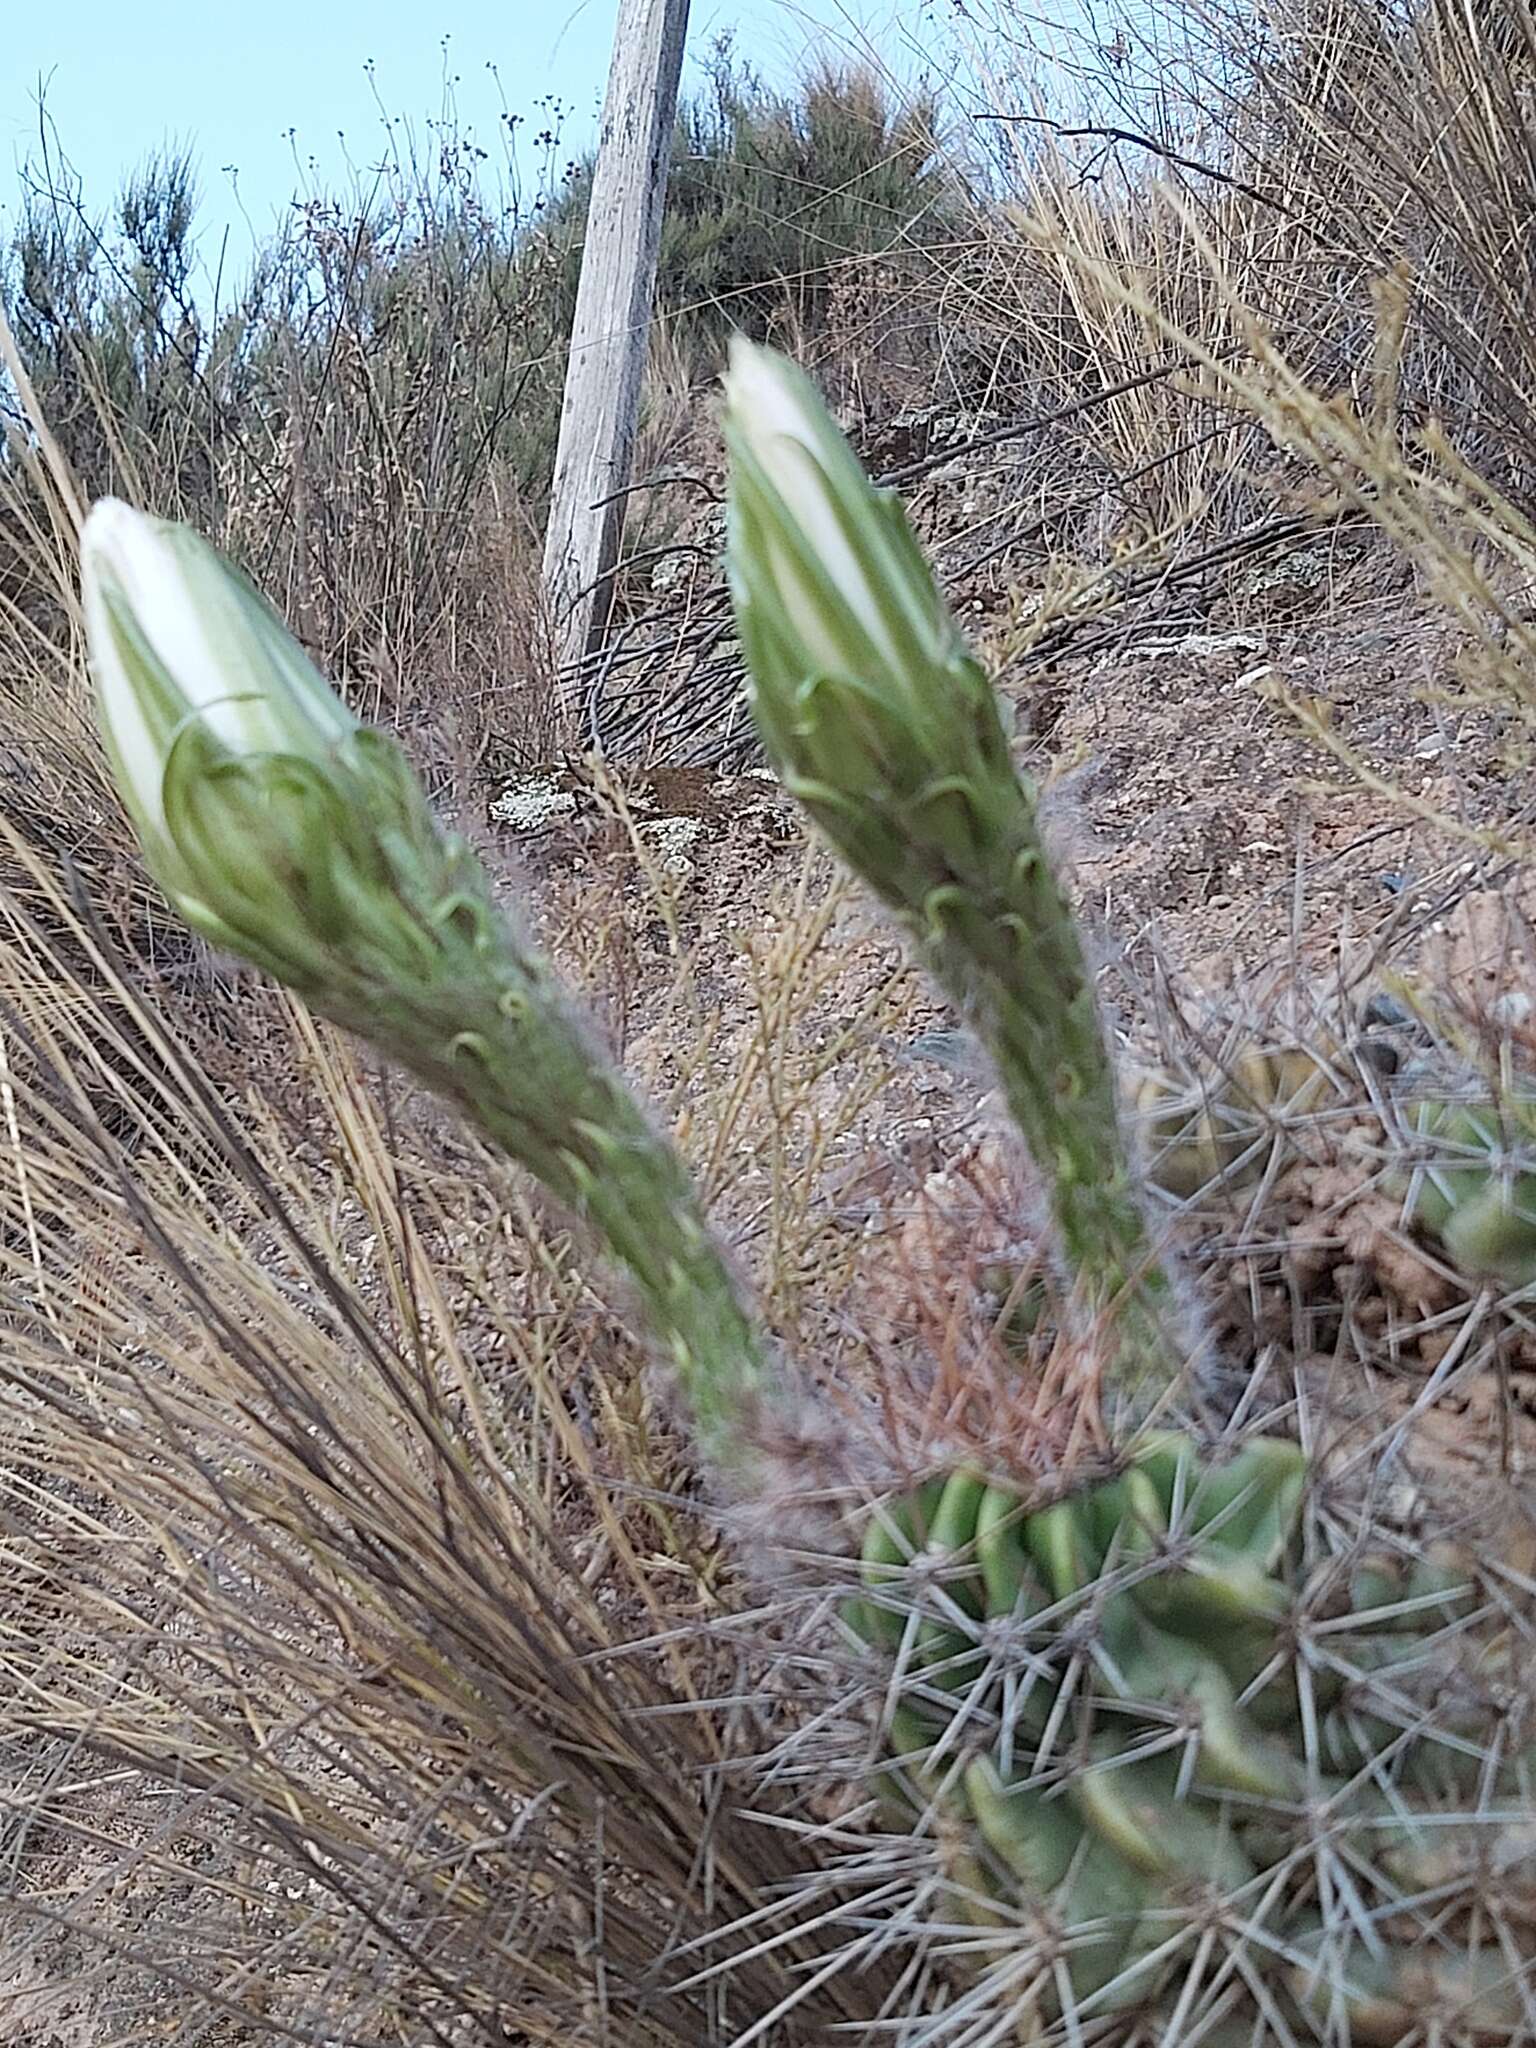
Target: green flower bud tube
[(291, 835), (885, 728)]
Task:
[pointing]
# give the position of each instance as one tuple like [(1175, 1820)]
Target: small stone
[(1379, 1054), (671, 838), (1385, 1014), (532, 803)]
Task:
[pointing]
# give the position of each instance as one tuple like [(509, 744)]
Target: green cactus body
[(1216, 1134), (1140, 1791), (1474, 1191)]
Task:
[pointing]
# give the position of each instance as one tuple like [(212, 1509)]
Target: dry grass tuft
[(355, 1680)]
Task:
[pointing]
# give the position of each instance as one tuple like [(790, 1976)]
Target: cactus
[(1111, 1687), (1149, 1714), (1216, 1133), (1473, 1186), (1188, 1746)]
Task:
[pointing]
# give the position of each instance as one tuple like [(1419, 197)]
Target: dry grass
[(360, 1655)]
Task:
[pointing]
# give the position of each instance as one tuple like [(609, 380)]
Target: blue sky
[(255, 86)]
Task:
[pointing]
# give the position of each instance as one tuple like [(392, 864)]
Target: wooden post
[(610, 330)]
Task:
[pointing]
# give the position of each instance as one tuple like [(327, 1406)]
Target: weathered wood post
[(609, 333)]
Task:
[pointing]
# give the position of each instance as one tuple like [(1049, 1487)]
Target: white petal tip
[(769, 397), (116, 534), (107, 517)]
